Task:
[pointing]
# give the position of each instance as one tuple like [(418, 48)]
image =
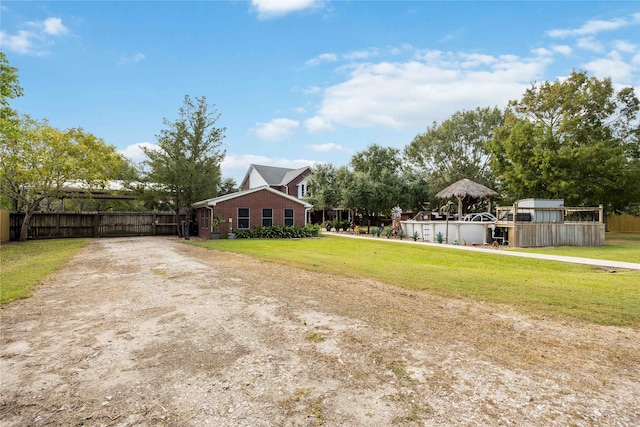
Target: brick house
[(259, 206), (289, 181)]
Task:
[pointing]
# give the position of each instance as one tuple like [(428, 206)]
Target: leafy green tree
[(377, 161), (457, 148), (186, 166), (324, 191), (357, 191), (38, 161), (9, 87), (227, 186), (377, 186), (575, 139), (416, 191)]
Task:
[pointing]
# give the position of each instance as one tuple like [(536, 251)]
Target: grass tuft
[(537, 287), (27, 264)]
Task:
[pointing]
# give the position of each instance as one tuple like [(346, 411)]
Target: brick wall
[(255, 202)]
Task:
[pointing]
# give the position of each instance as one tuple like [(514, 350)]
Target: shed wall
[(546, 234)]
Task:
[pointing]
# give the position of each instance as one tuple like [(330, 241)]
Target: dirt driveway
[(149, 331)]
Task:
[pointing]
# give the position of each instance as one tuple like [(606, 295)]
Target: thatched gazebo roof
[(465, 188)]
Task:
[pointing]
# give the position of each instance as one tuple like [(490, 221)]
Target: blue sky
[(301, 81)]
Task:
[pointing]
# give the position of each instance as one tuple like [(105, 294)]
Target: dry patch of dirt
[(148, 331)]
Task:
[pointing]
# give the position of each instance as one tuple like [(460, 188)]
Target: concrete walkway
[(573, 260)]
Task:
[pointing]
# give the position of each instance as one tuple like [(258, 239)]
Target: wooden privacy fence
[(623, 223), (54, 225)]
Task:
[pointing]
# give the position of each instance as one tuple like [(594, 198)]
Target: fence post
[(514, 239), (96, 225), (601, 214), (155, 221)]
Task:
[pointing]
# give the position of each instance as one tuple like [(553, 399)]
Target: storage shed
[(547, 222)]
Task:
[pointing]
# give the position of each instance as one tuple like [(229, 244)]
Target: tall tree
[(324, 193), (227, 186), (9, 87), (377, 183), (38, 161), (575, 139), (187, 163), (457, 148), (416, 191)]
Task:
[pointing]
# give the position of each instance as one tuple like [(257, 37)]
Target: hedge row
[(279, 232)]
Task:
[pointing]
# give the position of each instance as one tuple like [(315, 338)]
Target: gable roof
[(216, 200), (275, 176)]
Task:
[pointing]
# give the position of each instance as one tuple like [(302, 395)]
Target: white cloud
[(589, 43), (562, 49), (590, 28), (35, 39), (404, 95), (624, 46), (325, 57), (541, 51), (473, 60), (361, 54), (312, 90), (267, 9), (133, 58), (317, 124), (22, 42), (612, 66), (134, 152), (324, 148), (54, 27), (276, 129)]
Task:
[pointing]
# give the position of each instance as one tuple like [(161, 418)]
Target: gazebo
[(466, 188)]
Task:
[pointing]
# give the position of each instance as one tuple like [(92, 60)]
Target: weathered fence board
[(564, 234), (53, 225)]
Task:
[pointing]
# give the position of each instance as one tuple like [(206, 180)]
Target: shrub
[(279, 232)]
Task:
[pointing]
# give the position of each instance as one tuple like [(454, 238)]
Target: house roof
[(216, 200), (275, 176)]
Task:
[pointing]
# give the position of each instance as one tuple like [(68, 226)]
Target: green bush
[(279, 232)]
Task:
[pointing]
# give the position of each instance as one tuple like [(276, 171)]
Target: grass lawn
[(24, 265), (617, 247), (537, 287)]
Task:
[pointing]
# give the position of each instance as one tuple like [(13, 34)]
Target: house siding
[(293, 185), (254, 180), (255, 202)]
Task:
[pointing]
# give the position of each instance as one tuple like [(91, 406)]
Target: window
[(204, 215), (243, 217), (288, 217), (302, 189), (267, 217)]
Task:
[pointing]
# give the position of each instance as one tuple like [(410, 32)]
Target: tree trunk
[(24, 230)]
